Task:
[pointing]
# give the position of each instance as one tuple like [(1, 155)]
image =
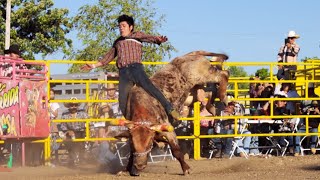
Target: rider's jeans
[(135, 74)]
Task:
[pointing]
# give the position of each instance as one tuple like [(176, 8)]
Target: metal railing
[(196, 137)]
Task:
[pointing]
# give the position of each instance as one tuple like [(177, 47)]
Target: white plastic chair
[(302, 149), (159, 155), (121, 152), (295, 129), (241, 126)]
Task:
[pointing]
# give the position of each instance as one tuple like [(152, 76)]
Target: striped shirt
[(128, 50), (72, 125), (288, 54)]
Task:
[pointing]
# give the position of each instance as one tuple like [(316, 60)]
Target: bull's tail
[(216, 56)]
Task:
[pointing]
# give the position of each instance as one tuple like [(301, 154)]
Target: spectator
[(74, 129), (291, 93), (257, 94), (313, 124), (227, 128), (244, 144), (14, 53), (288, 53), (309, 107), (184, 129), (287, 126), (266, 93), (205, 125), (253, 94), (104, 112), (53, 113), (107, 110), (112, 94)]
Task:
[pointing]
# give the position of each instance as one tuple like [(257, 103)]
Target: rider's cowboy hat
[(70, 104), (292, 34), (13, 49)]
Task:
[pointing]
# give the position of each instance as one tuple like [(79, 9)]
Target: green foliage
[(310, 58), (97, 29), (263, 73), (36, 27), (236, 71)]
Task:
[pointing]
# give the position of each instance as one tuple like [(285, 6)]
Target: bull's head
[(142, 139), (197, 70)]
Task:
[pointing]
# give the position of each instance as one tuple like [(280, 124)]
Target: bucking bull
[(148, 121)]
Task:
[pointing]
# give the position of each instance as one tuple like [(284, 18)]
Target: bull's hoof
[(187, 172), (134, 174)]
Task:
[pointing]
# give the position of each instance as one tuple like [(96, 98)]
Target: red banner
[(34, 118), (23, 109), (9, 109)]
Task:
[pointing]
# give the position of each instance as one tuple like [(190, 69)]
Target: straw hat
[(69, 104), (104, 105), (293, 34), (315, 103)]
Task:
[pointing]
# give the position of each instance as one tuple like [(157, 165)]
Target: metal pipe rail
[(196, 119)]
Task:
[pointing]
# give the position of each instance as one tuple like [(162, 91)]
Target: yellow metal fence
[(196, 119)]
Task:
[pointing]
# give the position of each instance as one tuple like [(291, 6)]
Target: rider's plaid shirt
[(128, 50)]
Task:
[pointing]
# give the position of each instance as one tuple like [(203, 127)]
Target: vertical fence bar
[(47, 143), (196, 130), (87, 90), (236, 94), (271, 106), (87, 130), (87, 98), (47, 152), (235, 126), (307, 126), (271, 71)]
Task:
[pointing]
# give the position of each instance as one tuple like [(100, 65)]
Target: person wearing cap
[(288, 53), (14, 53), (73, 129), (128, 50)]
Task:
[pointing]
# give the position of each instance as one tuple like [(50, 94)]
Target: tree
[(263, 73), (97, 29), (310, 58), (36, 27), (236, 71)]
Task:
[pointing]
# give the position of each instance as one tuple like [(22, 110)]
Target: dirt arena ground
[(307, 167)]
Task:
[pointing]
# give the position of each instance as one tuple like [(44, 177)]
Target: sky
[(246, 30)]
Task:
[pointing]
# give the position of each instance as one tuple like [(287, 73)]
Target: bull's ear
[(162, 128)]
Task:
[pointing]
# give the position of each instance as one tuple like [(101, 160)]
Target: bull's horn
[(120, 122), (162, 128)]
